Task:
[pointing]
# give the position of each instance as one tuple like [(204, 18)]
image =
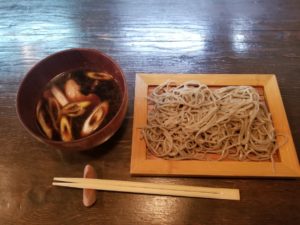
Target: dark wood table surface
[(143, 36)]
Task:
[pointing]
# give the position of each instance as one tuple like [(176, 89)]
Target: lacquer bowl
[(36, 79)]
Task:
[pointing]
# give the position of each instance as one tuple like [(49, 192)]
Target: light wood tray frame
[(287, 166)]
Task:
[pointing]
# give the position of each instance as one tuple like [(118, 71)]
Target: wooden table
[(151, 36)]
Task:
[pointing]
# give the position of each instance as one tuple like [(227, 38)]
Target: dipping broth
[(75, 104)]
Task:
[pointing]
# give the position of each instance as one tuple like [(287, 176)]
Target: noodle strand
[(191, 121)]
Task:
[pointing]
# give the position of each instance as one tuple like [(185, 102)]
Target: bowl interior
[(36, 79)]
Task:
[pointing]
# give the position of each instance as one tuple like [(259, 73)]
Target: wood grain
[(230, 36)]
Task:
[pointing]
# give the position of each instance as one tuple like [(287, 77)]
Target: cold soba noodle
[(191, 121), (75, 104)]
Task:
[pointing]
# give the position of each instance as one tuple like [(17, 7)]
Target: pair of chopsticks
[(148, 188)]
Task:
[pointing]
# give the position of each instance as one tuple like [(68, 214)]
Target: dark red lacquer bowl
[(36, 79)]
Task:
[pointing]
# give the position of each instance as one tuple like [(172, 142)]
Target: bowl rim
[(124, 101)]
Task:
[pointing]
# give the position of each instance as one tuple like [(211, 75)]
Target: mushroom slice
[(95, 119), (59, 95), (99, 75), (65, 129), (42, 121), (75, 109), (54, 111), (72, 90)]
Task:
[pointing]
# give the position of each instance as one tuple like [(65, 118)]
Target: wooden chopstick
[(149, 188)]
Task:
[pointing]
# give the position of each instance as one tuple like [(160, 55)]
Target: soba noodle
[(191, 121)]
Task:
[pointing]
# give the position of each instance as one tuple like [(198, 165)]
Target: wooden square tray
[(286, 166)]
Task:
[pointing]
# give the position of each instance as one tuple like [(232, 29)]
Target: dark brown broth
[(105, 90)]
